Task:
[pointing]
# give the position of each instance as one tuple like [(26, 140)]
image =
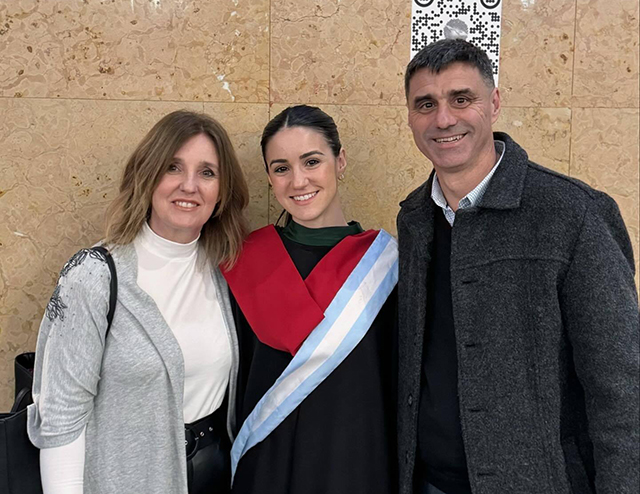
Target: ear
[(341, 161), (495, 104), (269, 179)]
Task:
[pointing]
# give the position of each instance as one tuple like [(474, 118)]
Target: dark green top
[(319, 237)]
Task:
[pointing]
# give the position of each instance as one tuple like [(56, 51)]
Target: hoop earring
[(341, 177)]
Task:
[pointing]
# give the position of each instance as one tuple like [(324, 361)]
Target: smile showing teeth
[(449, 139), (304, 197), (184, 204)]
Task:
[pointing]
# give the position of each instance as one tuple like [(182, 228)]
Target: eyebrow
[(462, 92), (451, 94), (311, 153), (302, 156), (202, 163)]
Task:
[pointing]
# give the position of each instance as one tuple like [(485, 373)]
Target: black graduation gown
[(341, 439)]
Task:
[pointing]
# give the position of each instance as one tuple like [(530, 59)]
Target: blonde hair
[(222, 235)]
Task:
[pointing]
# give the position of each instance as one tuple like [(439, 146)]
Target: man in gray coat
[(518, 336)]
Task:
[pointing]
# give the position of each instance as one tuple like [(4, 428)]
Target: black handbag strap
[(23, 400), (113, 292), (23, 371)]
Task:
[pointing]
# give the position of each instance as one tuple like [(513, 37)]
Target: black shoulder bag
[(19, 459)]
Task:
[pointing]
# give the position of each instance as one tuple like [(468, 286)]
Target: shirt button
[(410, 400)]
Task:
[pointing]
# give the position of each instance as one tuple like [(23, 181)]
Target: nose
[(445, 117), (300, 179), (189, 182)]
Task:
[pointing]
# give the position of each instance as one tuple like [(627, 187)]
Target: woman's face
[(188, 191), (304, 175)]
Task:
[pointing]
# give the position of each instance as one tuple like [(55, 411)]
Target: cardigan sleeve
[(600, 311), (69, 352)]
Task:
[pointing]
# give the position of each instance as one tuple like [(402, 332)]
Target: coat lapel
[(417, 216), (415, 236), (506, 186)]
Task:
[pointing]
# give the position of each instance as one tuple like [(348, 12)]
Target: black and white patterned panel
[(477, 21)]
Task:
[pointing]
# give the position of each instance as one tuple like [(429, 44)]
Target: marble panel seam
[(575, 38), (149, 101)]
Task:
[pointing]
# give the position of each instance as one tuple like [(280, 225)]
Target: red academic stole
[(281, 307)]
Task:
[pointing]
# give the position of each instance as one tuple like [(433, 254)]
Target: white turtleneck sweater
[(182, 288)]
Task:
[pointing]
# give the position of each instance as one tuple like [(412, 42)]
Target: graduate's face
[(303, 172)]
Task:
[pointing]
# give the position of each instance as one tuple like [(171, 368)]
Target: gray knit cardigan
[(127, 388)]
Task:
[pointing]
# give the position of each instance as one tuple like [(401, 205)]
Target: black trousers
[(208, 448)]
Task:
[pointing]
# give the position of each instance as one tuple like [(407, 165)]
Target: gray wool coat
[(546, 320), (127, 388)]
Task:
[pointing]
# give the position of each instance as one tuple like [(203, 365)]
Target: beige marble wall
[(82, 80)]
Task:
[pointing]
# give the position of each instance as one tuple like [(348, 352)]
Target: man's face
[(450, 114)]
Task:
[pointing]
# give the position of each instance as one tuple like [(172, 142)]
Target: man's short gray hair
[(439, 55)]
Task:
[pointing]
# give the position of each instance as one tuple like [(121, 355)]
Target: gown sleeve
[(246, 344)]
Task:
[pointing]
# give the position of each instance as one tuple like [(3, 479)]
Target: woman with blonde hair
[(111, 403)]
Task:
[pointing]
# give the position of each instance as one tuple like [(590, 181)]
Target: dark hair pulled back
[(310, 117)]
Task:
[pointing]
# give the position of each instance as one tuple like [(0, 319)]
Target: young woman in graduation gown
[(314, 303)]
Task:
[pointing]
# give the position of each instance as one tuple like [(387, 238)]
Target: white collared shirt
[(472, 198)]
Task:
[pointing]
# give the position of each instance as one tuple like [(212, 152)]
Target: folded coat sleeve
[(600, 311), (69, 352)]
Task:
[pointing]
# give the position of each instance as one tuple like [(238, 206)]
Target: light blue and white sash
[(346, 321)]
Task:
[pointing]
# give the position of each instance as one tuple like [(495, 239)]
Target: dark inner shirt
[(441, 457)]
